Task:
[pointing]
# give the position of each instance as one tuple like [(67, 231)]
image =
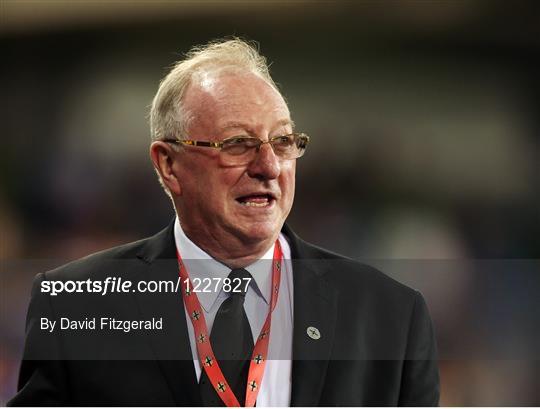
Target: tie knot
[(240, 280)]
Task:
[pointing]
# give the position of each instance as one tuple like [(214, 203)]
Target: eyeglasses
[(241, 150)]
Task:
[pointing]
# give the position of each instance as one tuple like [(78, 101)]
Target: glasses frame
[(219, 145)]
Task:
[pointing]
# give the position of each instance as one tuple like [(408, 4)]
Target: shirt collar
[(261, 271), (201, 265)]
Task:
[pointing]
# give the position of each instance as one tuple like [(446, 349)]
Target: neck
[(236, 253)]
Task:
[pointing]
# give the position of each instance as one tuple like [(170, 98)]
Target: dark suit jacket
[(377, 345)]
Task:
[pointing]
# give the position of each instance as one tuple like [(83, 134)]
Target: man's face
[(249, 202)]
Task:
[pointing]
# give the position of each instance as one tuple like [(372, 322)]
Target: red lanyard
[(207, 358)]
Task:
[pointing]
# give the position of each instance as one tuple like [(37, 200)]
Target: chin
[(261, 231)]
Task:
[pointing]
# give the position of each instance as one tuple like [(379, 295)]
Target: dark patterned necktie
[(232, 343)]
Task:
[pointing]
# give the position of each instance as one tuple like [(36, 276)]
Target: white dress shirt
[(276, 383)]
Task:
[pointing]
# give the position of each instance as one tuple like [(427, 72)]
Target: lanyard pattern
[(207, 358)]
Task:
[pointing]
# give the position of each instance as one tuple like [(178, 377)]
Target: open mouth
[(256, 200)]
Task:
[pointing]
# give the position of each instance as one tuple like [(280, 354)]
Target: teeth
[(253, 204)]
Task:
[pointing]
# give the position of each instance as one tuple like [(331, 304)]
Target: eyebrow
[(233, 125)]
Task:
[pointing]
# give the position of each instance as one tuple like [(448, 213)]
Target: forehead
[(220, 101)]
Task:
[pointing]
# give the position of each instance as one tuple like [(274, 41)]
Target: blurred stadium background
[(424, 158)]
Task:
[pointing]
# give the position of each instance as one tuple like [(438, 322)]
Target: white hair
[(168, 116)]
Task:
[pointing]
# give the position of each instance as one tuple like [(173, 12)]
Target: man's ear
[(162, 155)]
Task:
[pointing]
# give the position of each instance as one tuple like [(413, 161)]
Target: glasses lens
[(239, 150), (242, 150), (238, 146), (284, 146)]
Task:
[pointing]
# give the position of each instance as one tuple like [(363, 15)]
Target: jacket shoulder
[(353, 275)]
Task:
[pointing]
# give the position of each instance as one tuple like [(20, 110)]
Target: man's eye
[(238, 146), (237, 141), (283, 140)]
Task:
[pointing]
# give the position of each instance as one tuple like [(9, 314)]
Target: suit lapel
[(171, 346), (315, 305)]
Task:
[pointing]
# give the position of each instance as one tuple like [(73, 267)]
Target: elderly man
[(285, 323)]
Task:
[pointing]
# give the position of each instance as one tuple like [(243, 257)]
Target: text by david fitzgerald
[(102, 324)]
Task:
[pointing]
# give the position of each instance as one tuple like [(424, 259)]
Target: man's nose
[(266, 164)]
